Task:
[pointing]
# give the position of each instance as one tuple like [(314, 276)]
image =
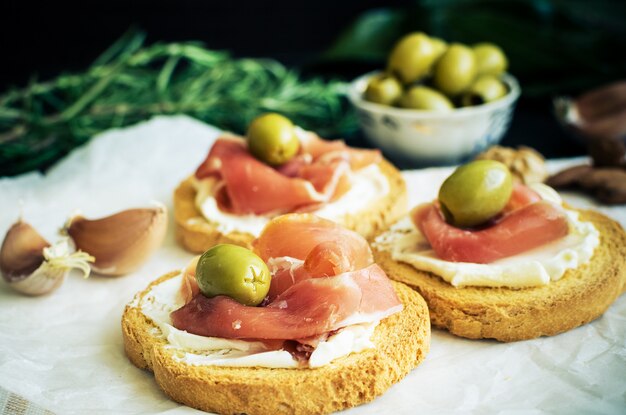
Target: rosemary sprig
[(131, 82)]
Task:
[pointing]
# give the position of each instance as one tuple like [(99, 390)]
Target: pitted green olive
[(383, 89), (485, 89), (233, 271), (424, 98), (455, 70), (411, 58), (490, 59), (272, 139), (475, 192)]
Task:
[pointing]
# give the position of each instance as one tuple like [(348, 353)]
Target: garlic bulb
[(121, 242), (32, 266)]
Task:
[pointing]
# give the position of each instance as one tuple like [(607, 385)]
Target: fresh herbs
[(131, 82)]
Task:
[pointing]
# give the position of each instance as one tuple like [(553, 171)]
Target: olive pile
[(426, 73)]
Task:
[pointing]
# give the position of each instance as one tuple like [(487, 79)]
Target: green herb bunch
[(131, 82)]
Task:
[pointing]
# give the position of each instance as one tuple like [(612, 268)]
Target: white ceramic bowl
[(424, 138)]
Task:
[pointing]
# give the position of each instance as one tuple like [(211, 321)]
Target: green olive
[(490, 59), (424, 98), (439, 45), (233, 271), (383, 89), (455, 70), (411, 58), (272, 139), (485, 89), (475, 192)]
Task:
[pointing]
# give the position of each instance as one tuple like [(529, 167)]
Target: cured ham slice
[(331, 179), (251, 186), (189, 287), (521, 230), (328, 259), (286, 272), (325, 260), (318, 148), (323, 279), (309, 308), (295, 235), (520, 197), (297, 247), (320, 173)]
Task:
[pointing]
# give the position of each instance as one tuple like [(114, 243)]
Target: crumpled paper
[(64, 351)]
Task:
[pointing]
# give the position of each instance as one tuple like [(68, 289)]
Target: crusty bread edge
[(402, 342), (504, 314), (196, 235)]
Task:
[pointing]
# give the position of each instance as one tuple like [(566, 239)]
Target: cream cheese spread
[(536, 267), (164, 298), (369, 184)]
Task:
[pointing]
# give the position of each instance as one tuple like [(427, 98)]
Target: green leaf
[(370, 37)]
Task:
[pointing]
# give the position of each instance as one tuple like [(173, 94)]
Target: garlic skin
[(30, 265), (121, 242), (22, 251)]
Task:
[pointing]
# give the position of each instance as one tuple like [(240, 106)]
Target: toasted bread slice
[(196, 234), (505, 314), (402, 341)]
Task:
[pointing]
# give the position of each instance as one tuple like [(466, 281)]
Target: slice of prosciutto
[(298, 246), (332, 149), (320, 173), (309, 308), (325, 260), (189, 287), (323, 278), (520, 196), (520, 230), (295, 235)]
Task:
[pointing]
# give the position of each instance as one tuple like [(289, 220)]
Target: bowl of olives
[(436, 104)]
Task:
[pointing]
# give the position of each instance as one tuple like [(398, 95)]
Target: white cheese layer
[(532, 268), (165, 298), (369, 184)]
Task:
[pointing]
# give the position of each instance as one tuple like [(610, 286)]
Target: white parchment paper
[(65, 353)]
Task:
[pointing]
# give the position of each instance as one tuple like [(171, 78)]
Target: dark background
[(45, 38), (40, 40)]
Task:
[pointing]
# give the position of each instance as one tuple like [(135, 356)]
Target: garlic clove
[(32, 266), (40, 282), (121, 242), (22, 251)]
